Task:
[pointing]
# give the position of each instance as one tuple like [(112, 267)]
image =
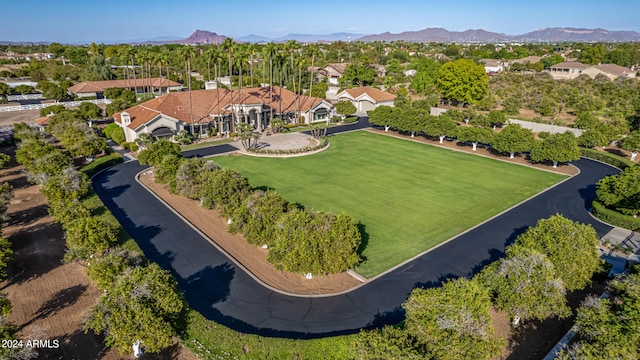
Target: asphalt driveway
[(223, 292)]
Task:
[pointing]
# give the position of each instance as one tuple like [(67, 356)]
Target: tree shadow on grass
[(362, 229)]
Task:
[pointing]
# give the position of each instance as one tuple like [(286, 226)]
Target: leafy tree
[(105, 270), (608, 328), (440, 127), (389, 342), (496, 118), (53, 109), (166, 171), (570, 246), (320, 243), (475, 135), (556, 148), (87, 236), (258, 217), (24, 89), (512, 105), (68, 184), (426, 74), (157, 151), (621, 192), (345, 108), (5, 90), (632, 143), (513, 139), (593, 138), (144, 306), (226, 189), (525, 285), (5, 257), (320, 90), (383, 116), (463, 81), (452, 322), (89, 111), (4, 160), (359, 74), (189, 175)]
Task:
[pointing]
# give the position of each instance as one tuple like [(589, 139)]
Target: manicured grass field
[(409, 196)]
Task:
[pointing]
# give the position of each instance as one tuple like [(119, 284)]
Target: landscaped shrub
[(323, 143), (615, 218), (350, 119), (117, 135), (258, 216), (605, 157), (109, 129)]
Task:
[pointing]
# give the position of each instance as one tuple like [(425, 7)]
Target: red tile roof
[(374, 93), (101, 86), (204, 103)]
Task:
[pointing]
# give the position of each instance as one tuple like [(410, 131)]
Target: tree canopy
[(452, 322), (463, 81), (570, 246), (556, 148), (621, 192), (513, 139)]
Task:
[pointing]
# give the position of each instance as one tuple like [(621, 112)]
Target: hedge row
[(615, 218), (610, 159)]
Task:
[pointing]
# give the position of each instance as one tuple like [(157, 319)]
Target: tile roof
[(374, 93), (43, 121), (570, 65), (613, 69), (101, 86), (204, 103)]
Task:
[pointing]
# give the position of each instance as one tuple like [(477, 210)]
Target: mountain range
[(551, 35), (548, 35)]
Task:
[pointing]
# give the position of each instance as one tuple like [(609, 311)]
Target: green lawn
[(409, 196)]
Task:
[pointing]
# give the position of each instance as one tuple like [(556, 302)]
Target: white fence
[(25, 97), (41, 106), (537, 127)]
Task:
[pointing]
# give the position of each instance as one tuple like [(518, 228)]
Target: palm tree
[(209, 54), (187, 52), (251, 50), (161, 59), (281, 62), (270, 51), (229, 45), (313, 52)]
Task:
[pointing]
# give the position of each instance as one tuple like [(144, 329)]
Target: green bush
[(109, 129), (336, 119), (350, 119), (130, 146), (117, 135), (615, 218), (290, 126), (615, 160)]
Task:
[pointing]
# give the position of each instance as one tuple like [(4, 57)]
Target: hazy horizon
[(84, 22)]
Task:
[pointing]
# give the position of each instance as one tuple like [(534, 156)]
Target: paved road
[(223, 292)]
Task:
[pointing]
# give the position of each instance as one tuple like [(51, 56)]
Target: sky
[(85, 21)]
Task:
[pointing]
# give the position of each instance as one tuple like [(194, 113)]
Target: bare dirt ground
[(50, 299), (253, 258), (12, 117)]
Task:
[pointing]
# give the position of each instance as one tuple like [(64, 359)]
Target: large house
[(96, 88), (333, 72), (567, 70), (611, 71), (366, 98), (220, 109), (573, 69)]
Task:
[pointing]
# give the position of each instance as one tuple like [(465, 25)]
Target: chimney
[(126, 118)]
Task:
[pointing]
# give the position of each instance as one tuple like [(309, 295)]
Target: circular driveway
[(221, 291)]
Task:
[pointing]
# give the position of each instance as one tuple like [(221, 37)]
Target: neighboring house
[(567, 70), (97, 88), (612, 71), (333, 72), (366, 98), (528, 60), (42, 122), (381, 71), (492, 66), (219, 109)]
